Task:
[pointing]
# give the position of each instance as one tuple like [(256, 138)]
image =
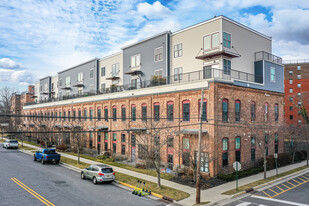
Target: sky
[(39, 38)]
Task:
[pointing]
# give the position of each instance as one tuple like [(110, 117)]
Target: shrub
[(241, 174), (284, 159), (140, 166), (61, 148), (299, 156), (304, 153)]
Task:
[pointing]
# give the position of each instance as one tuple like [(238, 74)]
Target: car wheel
[(42, 161), (57, 161), (82, 175), (34, 158), (94, 180)]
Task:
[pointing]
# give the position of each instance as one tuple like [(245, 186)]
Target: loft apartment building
[(154, 87), (296, 84)]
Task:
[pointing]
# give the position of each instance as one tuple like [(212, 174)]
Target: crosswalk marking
[(249, 203)]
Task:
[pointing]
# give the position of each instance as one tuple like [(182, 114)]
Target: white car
[(10, 143)]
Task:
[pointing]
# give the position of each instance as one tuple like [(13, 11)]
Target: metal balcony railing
[(210, 73), (262, 55)]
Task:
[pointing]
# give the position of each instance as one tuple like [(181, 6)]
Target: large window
[(114, 113), (237, 110), (74, 114), (186, 110), (67, 81), (178, 74), (225, 103), (85, 114), (144, 112), (156, 111), (79, 114), (99, 113), (91, 74), (226, 40), (115, 69), (106, 114), (204, 161), (272, 74), (225, 153), (133, 112), (170, 111), (226, 66), (237, 149), (211, 41), (204, 109), (253, 111), (123, 112), (253, 148), (80, 76), (266, 111), (135, 61), (276, 112), (177, 50), (91, 113), (103, 71), (158, 54)]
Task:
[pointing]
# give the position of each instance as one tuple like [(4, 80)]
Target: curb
[(133, 187)]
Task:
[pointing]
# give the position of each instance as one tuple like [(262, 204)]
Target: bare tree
[(78, 140), (45, 127), (6, 94)]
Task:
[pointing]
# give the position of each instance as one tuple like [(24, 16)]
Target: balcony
[(210, 73), (67, 87), (262, 55), (134, 72), (113, 76), (218, 53), (79, 84)]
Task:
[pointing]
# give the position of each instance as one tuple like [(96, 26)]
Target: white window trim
[(154, 54), (92, 74), (274, 74), (140, 62), (223, 39), (157, 71), (211, 48), (178, 49)]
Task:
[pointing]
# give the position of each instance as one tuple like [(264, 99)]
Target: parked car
[(98, 173), (47, 155), (10, 143)]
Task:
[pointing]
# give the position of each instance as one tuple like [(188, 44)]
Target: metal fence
[(262, 55)]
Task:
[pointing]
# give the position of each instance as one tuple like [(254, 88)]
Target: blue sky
[(41, 37)]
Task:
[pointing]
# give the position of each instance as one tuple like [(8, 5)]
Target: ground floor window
[(114, 147), (204, 161), (123, 149), (105, 146), (186, 159), (253, 154), (170, 161), (237, 155), (225, 159), (142, 151)]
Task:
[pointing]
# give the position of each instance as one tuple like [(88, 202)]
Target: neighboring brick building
[(16, 108), (296, 88)]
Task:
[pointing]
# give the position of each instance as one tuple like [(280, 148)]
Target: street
[(291, 192), (25, 182)]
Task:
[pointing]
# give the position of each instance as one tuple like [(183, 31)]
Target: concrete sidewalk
[(211, 195)]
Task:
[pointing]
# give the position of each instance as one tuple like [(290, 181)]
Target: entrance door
[(133, 151), (99, 148), (207, 72)]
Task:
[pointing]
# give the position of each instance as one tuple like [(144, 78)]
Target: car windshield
[(49, 152), (107, 170), (13, 141)]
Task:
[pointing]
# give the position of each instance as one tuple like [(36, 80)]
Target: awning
[(102, 127), (67, 126), (112, 78), (190, 131), (218, 53), (134, 72), (90, 127), (137, 129), (76, 127), (58, 126)]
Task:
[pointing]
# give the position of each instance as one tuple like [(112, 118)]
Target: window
[(158, 54), (106, 141), (291, 81), (186, 110), (79, 114), (178, 74), (291, 117), (67, 81), (266, 111), (64, 115), (276, 112), (170, 111), (99, 113), (226, 40), (133, 141), (204, 161), (298, 76), (299, 103), (225, 110), (144, 112), (298, 67), (253, 148), (91, 74), (60, 83), (123, 143), (291, 108), (106, 114), (69, 115), (299, 94), (298, 85), (226, 66), (74, 114), (99, 137), (114, 148), (291, 90), (123, 137), (225, 155), (299, 121), (80, 91), (85, 114), (135, 61), (290, 72), (211, 41), (272, 74), (170, 142), (156, 111), (291, 99), (237, 149), (253, 111), (133, 112), (103, 71), (276, 143), (237, 110), (90, 140), (123, 149), (114, 137), (91, 113), (178, 50), (204, 109), (266, 144), (115, 69), (80, 76), (114, 113), (123, 113), (159, 73), (56, 116)]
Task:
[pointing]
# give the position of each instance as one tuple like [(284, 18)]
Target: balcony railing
[(262, 55), (179, 78)]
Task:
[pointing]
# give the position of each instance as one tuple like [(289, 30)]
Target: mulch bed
[(205, 184)]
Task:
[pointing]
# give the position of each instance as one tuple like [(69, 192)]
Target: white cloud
[(9, 64), (154, 11)]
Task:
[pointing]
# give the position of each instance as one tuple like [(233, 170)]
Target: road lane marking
[(301, 179), (285, 186), (267, 194), (296, 181), (280, 201), (244, 204), (272, 191), (32, 192), (291, 183), (280, 189)]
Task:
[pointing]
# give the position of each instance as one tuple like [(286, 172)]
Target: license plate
[(108, 176)]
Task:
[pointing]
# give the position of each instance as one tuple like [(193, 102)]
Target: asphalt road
[(25, 182), (292, 192)]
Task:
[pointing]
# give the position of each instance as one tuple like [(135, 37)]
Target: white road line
[(280, 201), (244, 204)]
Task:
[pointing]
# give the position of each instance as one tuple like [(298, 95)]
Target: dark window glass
[(79, 115), (99, 136), (133, 141), (225, 110), (276, 143), (69, 115), (225, 159), (237, 110), (123, 137), (170, 111), (276, 112), (74, 115), (170, 142), (186, 159), (144, 112), (99, 114), (133, 113), (123, 149), (85, 115), (64, 115), (156, 112), (253, 111), (107, 170), (186, 111), (91, 114), (114, 147), (106, 114), (114, 113), (204, 109), (123, 113)]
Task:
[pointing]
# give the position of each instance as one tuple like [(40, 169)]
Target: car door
[(95, 171), (39, 154), (87, 172)]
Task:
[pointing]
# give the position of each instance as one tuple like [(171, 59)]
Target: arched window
[(225, 110), (133, 112), (237, 110), (266, 111), (91, 113), (106, 114), (156, 110), (123, 112), (253, 111), (99, 113), (225, 152), (276, 112), (186, 110), (114, 113), (237, 149), (204, 110), (170, 111), (144, 112)]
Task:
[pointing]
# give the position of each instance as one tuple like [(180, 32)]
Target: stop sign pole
[(237, 167)]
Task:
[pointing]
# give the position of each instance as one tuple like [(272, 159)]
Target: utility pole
[(198, 171)]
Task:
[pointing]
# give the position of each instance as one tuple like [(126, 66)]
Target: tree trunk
[(78, 155), (265, 161), (307, 154), (194, 174), (293, 156), (159, 178)]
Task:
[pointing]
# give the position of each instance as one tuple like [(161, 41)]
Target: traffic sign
[(275, 155), (237, 166)]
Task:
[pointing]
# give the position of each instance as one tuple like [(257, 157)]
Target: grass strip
[(25, 147), (124, 166), (166, 191), (259, 182)]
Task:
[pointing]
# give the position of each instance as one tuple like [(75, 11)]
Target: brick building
[(296, 88)]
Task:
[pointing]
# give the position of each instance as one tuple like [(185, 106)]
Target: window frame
[(158, 54), (156, 115), (170, 114), (144, 113), (186, 117), (133, 112), (272, 74), (237, 113), (227, 43), (225, 114), (178, 50), (211, 41), (91, 73), (123, 113)]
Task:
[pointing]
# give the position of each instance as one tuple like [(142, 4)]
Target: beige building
[(54, 86)]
